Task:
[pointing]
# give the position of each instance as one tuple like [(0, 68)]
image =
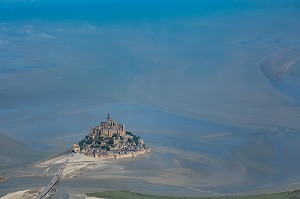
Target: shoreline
[(31, 193), (128, 195)]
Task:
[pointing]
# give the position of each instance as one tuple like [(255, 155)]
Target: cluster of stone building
[(116, 154), (110, 131)]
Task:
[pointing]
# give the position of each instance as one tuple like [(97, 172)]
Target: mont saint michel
[(110, 140)]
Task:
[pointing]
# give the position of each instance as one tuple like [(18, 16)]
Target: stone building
[(76, 148), (108, 128)]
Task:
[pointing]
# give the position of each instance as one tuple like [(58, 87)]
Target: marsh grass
[(121, 194)]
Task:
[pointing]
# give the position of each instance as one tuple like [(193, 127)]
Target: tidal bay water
[(192, 156), (213, 89)]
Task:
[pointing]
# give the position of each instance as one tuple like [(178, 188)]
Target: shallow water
[(201, 86), (195, 160)]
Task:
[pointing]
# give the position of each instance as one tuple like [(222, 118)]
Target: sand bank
[(2, 179), (24, 194), (77, 164), (32, 193)]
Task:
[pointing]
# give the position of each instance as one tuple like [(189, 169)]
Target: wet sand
[(32, 193), (191, 87), (198, 164), (165, 171), (24, 194)]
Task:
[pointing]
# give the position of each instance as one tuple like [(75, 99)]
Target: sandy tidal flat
[(24, 194), (77, 164), (32, 193)]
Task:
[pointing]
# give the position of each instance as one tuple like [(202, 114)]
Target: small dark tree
[(106, 148), (89, 142), (98, 141), (130, 140), (96, 146), (136, 139), (129, 133), (111, 141), (81, 143), (115, 136)]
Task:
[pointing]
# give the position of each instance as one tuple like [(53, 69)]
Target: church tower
[(108, 118)]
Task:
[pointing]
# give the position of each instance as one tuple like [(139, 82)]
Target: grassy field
[(132, 195)]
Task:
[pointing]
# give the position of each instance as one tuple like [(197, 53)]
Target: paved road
[(53, 181)]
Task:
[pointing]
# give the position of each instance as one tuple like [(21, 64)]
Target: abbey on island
[(108, 129), (110, 140)]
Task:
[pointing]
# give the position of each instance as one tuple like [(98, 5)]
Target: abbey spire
[(108, 118)]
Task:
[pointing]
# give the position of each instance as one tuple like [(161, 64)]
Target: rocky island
[(110, 140)]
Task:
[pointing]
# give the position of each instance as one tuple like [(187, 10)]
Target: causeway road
[(53, 181)]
